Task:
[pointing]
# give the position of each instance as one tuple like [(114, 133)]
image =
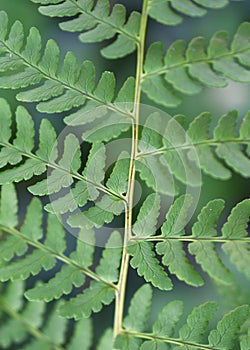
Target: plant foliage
[(48, 277)]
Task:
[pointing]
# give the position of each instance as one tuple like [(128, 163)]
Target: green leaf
[(176, 216), (83, 330), (25, 130), (31, 265), (50, 59), (106, 87), (146, 221), (118, 179), (105, 342), (62, 103), (227, 329), (123, 45), (5, 130), (159, 91), (147, 265), (59, 178), (124, 342), (23, 172), (205, 226), (194, 328), (43, 92), (47, 142), (62, 283), (33, 47), (208, 258), (139, 309), (239, 255), (8, 206), (198, 132), (162, 12), (188, 8), (154, 56), (55, 328), (92, 300), (16, 37), (237, 222), (174, 257), (156, 175), (34, 214), (55, 242), (167, 319), (108, 267)]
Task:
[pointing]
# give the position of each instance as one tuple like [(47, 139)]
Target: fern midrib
[(101, 20), (120, 293), (186, 63), (29, 328), (211, 142), (191, 239), (76, 176), (89, 96), (60, 257), (176, 341)]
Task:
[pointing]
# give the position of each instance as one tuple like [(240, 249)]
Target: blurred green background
[(216, 101)]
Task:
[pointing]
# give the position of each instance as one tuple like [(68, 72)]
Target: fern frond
[(171, 12), (44, 253), (188, 151), (191, 335), (98, 294), (60, 89), (97, 22), (63, 171), (201, 243), (24, 325), (187, 70)]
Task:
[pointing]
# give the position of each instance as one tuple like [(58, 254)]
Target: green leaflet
[(178, 160), (83, 330), (5, 130), (164, 11), (105, 342), (187, 70), (176, 216), (205, 253), (174, 257), (92, 300), (230, 152), (8, 206), (148, 266), (156, 175), (98, 24), (205, 226), (146, 221), (168, 318), (108, 267), (236, 227), (118, 179), (232, 322), (62, 283), (198, 132), (139, 309), (197, 322)]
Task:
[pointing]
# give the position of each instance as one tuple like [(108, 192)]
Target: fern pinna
[(89, 191)]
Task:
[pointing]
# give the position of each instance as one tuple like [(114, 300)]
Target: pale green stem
[(120, 293)]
